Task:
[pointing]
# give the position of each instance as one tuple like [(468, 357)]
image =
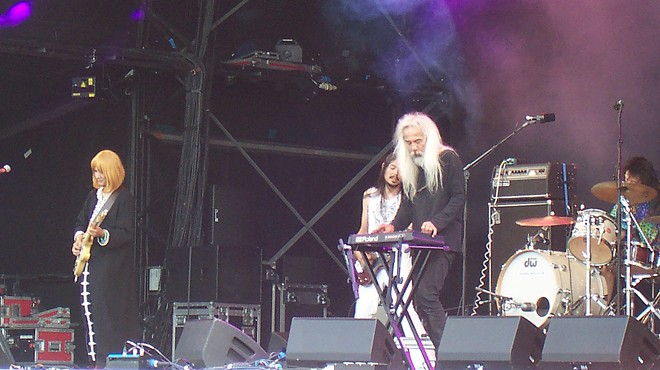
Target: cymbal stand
[(650, 306), (587, 281), (589, 296)]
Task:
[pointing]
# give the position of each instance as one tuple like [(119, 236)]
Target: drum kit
[(539, 284)]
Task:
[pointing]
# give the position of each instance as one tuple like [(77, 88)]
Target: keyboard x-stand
[(387, 243)]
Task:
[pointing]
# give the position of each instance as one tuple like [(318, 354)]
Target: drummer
[(639, 170)]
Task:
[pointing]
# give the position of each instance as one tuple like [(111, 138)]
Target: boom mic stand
[(466, 174), (618, 106)]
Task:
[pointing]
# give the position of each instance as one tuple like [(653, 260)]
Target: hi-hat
[(546, 221), (635, 193)]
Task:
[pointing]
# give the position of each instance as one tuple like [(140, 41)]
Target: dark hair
[(642, 167), (380, 181)]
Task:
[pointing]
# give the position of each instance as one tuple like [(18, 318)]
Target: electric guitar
[(86, 250)]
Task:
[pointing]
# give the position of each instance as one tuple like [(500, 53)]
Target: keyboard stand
[(397, 310)]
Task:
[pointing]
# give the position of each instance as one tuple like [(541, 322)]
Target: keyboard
[(415, 239)]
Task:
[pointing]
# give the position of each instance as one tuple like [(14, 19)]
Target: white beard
[(418, 160)]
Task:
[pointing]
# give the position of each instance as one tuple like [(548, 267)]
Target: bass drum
[(543, 284)]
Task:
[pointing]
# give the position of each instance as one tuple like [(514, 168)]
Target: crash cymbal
[(546, 221), (653, 219), (635, 193)]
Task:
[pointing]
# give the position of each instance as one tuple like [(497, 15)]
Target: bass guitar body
[(362, 271), (86, 250)]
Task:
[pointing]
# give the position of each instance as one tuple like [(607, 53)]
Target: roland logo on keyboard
[(366, 238)]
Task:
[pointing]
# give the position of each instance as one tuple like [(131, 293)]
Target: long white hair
[(430, 158)]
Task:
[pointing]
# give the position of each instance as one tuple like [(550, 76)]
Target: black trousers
[(427, 294)]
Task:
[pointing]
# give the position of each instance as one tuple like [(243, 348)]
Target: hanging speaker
[(492, 342), (599, 342), (315, 342), (215, 343)]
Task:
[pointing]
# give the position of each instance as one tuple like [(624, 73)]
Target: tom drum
[(603, 236)]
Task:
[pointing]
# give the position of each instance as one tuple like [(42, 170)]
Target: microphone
[(528, 307), (5, 169), (154, 364), (618, 104), (542, 118), (511, 161)]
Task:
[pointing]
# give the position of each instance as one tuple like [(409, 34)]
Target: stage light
[(16, 14)]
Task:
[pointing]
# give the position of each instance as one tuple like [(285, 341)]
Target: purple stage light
[(16, 14), (138, 14)]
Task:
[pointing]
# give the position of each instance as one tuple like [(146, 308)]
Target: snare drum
[(603, 236), (543, 284)]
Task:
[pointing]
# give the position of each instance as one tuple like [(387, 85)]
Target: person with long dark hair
[(379, 205)]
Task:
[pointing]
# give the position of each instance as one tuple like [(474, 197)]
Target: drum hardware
[(592, 218), (596, 298), (503, 299), (560, 268), (645, 315), (538, 238), (629, 289), (541, 306)]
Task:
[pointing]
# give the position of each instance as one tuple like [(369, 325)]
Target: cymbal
[(635, 193), (653, 219), (546, 221)]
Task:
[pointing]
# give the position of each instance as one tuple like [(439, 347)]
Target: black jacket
[(444, 207)]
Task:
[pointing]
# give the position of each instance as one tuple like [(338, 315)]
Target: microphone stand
[(466, 175), (618, 106)]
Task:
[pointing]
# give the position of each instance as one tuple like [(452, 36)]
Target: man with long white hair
[(432, 179)]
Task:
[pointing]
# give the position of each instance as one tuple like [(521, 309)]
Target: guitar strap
[(108, 203)]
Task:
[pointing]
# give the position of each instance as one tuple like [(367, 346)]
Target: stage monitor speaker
[(277, 342), (6, 357), (216, 343), (508, 237), (315, 342), (492, 342), (599, 342)]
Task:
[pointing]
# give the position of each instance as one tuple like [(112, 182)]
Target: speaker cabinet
[(277, 342), (6, 357), (508, 237), (601, 342), (315, 342), (493, 342), (192, 274), (215, 343)]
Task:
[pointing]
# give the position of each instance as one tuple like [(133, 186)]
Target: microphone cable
[(493, 219)]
